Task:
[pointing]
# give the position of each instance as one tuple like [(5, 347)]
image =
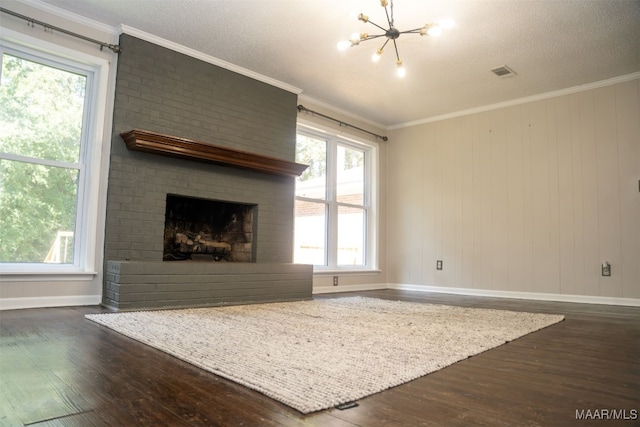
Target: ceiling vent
[(503, 72)]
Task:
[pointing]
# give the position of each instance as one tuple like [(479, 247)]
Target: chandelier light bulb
[(434, 30), (376, 56), (401, 71), (343, 45)]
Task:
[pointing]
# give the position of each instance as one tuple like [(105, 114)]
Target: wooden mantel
[(157, 143)]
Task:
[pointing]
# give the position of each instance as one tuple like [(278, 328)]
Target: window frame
[(370, 198), (96, 70)]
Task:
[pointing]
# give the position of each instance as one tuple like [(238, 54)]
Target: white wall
[(46, 290), (529, 198)]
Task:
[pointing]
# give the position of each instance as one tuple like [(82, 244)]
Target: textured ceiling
[(550, 44)]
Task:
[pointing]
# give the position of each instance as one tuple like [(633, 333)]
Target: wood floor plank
[(32, 388), (59, 369)]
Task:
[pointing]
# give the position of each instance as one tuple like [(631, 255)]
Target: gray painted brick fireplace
[(164, 91)]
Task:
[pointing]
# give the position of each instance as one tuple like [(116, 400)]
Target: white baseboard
[(584, 299), (42, 302), (348, 288)]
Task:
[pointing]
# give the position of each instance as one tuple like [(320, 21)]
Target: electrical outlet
[(335, 280), (439, 264), (606, 269)]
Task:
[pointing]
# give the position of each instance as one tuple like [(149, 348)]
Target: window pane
[(350, 180), (351, 222), (37, 212), (310, 226), (313, 181), (41, 110)]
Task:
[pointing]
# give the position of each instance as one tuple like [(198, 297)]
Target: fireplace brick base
[(135, 285)]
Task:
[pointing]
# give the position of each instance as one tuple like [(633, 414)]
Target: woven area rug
[(313, 355)]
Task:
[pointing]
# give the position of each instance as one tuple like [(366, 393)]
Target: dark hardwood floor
[(58, 369)]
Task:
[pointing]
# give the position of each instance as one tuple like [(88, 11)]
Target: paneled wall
[(529, 198)]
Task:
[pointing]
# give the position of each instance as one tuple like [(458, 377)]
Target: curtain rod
[(31, 21), (340, 122)]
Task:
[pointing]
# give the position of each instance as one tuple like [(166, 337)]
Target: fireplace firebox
[(208, 230)]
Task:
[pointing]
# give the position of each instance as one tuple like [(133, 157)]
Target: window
[(48, 110), (334, 214)]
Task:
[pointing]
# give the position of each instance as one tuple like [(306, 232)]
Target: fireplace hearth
[(208, 230)]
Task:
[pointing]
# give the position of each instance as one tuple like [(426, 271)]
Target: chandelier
[(391, 33)]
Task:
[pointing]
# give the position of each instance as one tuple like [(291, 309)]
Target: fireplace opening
[(208, 230)]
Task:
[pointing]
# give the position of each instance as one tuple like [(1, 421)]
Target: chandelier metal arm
[(384, 44), (373, 23), (389, 19), (371, 37), (414, 31), (395, 45)]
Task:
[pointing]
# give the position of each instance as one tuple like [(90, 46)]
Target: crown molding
[(207, 58), (519, 101)]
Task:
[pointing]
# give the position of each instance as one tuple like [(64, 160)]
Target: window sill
[(345, 272)]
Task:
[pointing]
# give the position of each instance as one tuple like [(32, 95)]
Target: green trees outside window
[(42, 112)]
